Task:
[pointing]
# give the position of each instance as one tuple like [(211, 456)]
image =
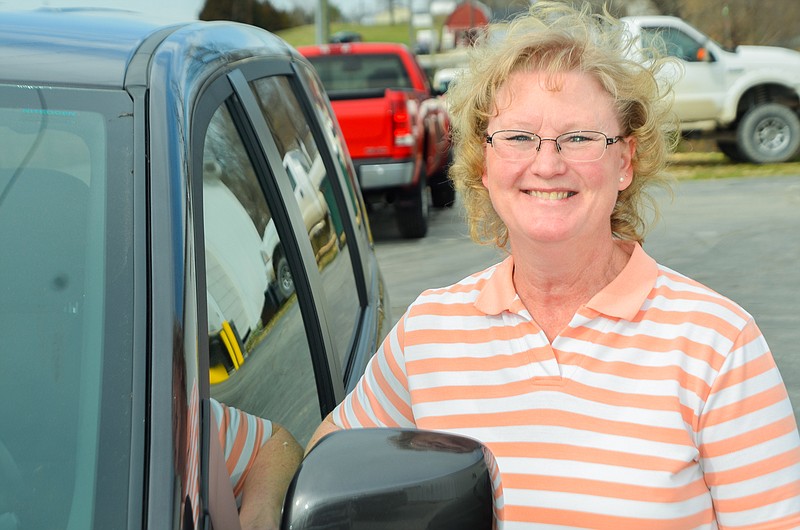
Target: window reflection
[(258, 351), (333, 133), (315, 195)]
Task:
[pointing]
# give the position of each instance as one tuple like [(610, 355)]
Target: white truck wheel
[(768, 133)]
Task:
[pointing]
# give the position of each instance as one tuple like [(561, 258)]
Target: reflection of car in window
[(305, 178), (235, 267)]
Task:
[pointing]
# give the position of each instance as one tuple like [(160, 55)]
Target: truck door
[(699, 92)]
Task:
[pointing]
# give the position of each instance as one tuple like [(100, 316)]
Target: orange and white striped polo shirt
[(241, 435), (658, 407)]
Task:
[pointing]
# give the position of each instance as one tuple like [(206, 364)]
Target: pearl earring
[(622, 179)]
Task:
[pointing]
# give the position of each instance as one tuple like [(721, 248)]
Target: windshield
[(65, 284), (344, 73)]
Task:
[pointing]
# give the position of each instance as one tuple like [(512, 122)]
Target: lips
[(551, 195)]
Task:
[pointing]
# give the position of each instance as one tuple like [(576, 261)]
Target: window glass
[(259, 355), (672, 42), (314, 193), (361, 72), (61, 249), (330, 127)]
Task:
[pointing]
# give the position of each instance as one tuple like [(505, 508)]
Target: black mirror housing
[(392, 479)]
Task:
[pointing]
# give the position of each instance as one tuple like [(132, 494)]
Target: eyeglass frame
[(609, 141)]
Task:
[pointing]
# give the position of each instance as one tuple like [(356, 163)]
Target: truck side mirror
[(392, 478)]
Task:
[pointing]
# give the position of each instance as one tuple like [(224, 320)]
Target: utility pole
[(726, 26), (411, 36), (321, 22)]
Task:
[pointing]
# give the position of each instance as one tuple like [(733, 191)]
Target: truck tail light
[(401, 124)]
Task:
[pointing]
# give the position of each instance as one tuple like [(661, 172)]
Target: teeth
[(552, 195)]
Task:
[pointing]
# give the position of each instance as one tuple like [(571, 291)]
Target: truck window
[(315, 194), (66, 284), (259, 356), (363, 72), (673, 42)]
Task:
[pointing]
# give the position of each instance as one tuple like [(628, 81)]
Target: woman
[(614, 392)]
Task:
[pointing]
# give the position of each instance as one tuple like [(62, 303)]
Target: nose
[(548, 161), (555, 143)]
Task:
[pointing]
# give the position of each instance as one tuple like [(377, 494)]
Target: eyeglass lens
[(574, 145)]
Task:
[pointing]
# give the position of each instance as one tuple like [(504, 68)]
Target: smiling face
[(547, 199)]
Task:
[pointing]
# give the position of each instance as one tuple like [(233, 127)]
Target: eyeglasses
[(575, 146)]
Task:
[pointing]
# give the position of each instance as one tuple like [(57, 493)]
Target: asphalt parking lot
[(739, 236)]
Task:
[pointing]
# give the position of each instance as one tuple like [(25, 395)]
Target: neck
[(565, 276)]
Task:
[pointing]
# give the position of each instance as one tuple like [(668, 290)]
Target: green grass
[(303, 35), (698, 160)]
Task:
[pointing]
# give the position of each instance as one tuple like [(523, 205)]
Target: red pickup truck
[(396, 126)]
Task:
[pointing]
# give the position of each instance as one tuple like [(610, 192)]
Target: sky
[(171, 9)]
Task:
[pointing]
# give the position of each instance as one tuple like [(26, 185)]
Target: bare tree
[(668, 7), (256, 12), (733, 22)]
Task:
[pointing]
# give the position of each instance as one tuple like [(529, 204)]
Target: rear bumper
[(377, 175)]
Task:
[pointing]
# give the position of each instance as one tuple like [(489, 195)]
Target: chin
[(545, 236)]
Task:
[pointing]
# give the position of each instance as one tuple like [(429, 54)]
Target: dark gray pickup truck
[(179, 221)]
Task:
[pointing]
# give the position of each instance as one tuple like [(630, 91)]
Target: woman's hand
[(266, 484)]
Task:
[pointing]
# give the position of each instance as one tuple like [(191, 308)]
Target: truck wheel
[(731, 150), (443, 195), (283, 277), (412, 212), (769, 133)]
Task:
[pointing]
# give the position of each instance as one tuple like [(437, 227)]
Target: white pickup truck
[(746, 99)]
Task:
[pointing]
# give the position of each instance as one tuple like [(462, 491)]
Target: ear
[(485, 174), (626, 162)]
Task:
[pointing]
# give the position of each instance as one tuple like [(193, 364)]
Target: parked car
[(444, 77), (396, 127), (346, 36), (746, 99), (144, 189)]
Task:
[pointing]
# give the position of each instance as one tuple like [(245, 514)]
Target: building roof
[(469, 14)]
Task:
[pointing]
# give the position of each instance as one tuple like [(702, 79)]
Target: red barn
[(467, 17)]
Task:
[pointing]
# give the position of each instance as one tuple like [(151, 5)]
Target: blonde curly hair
[(554, 37)]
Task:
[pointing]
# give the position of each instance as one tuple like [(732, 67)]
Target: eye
[(579, 137), (516, 137)]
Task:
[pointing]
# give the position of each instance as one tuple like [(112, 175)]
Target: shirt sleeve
[(381, 398), (241, 435), (748, 440)]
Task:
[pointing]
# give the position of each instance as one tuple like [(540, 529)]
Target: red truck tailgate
[(366, 125)]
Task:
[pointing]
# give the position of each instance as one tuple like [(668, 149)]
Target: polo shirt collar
[(625, 295), (622, 298), (498, 293)]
